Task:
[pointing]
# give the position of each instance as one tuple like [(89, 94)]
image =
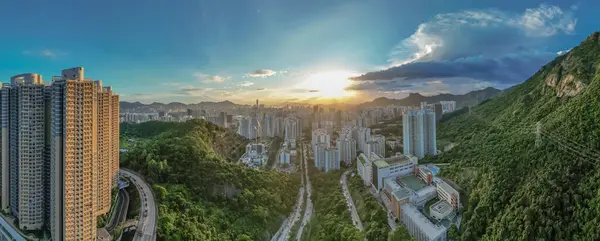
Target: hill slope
[(520, 191), (415, 99), (202, 196)]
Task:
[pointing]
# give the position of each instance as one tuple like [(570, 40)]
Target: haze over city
[(282, 51)]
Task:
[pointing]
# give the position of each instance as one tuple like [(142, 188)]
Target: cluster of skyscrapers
[(60, 152)]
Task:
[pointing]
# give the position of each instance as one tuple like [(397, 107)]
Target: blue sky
[(241, 50)]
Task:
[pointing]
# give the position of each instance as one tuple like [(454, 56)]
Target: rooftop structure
[(440, 209), (411, 182), (419, 226)]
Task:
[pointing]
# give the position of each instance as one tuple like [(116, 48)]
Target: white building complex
[(256, 155), (448, 106), (419, 132)]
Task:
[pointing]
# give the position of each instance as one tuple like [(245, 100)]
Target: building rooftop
[(391, 183), (432, 231), (361, 159), (381, 164), (391, 161), (411, 182), (441, 206), (401, 193)]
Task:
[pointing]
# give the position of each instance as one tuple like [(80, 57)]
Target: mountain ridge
[(528, 160)]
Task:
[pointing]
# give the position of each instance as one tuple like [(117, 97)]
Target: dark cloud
[(393, 85), (507, 69), (261, 73), (314, 91), (260, 89)]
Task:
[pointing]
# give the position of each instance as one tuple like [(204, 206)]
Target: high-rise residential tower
[(25, 148), (81, 175), (419, 133)]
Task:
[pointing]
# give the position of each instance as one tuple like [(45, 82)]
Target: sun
[(330, 84)]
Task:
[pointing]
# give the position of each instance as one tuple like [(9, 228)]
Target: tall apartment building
[(347, 147), (377, 145), (292, 128), (78, 165), (419, 132), (24, 150), (320, 136), (364, 135), (59, 152), (332, 159)]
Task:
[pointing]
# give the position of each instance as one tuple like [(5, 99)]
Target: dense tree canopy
[(202, 196), (518, 190)]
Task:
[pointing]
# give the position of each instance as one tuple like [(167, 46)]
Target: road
[(288, 223), (120, 210), (351, 206), (146, 228), (309, 206)]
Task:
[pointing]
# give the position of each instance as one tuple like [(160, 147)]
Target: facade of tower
[(25, 150), (83, 164)]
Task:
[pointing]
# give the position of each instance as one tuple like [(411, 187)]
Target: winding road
[(351, 206), (146, 228), (120, 210)]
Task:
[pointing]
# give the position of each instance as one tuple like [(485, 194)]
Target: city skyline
[(288, 51)]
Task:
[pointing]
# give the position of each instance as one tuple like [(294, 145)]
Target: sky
[(284, 50)]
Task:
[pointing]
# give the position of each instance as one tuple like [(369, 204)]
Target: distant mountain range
[(176, 105), (415, 99)]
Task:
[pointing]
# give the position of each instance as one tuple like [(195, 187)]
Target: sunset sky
[(277, 50)]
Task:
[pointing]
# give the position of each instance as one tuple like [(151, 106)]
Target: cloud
[(563, 52), (262, 73), (452, 36), (246, 84), (205, 78), (44, 53), (314, 91), (261, 89), (490, 46)]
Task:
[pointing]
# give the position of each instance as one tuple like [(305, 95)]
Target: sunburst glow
[(331, 84)]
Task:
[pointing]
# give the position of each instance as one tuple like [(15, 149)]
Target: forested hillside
[(201, 195), (522, 191)]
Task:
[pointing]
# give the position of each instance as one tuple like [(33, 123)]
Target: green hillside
[(520, 191), (201, 195)]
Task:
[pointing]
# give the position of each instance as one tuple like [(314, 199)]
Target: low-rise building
[(419, 226), (446, 192), (399, 165)]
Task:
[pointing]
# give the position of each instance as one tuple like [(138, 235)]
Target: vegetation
[(372, 215), (331, 219), (400, 234), (200, 193), (519, 190)]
